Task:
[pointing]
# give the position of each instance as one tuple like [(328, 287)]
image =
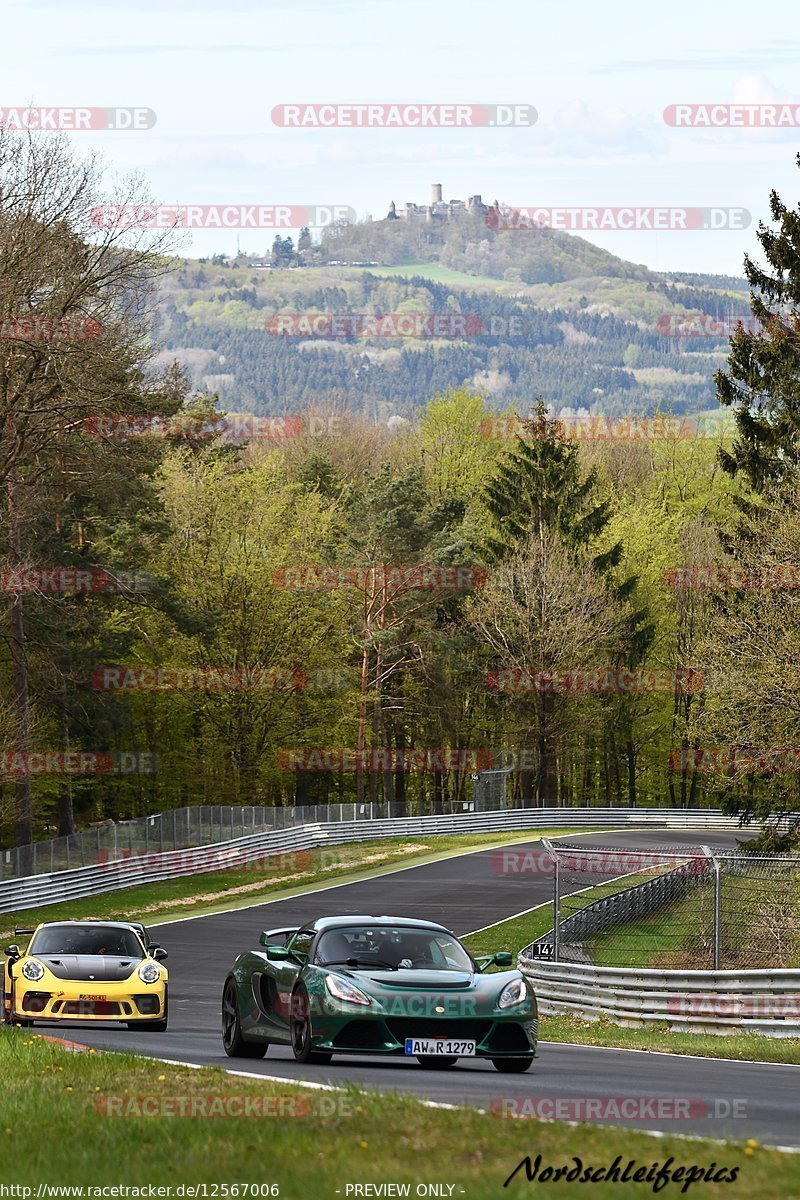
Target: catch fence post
[(716, 924), (548, 845)]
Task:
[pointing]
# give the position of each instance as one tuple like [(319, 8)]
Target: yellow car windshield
[(86, 939)]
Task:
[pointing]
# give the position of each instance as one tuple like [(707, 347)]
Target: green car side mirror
[(278, 953), (503, 959)]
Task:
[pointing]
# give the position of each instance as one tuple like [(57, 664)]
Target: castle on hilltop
[(438, 209)]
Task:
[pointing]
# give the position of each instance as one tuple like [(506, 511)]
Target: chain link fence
[(205, 825), (490, 789), (672, 909), (200, 825), (177, 829)]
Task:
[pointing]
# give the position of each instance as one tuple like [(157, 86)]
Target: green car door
[(283, 972)]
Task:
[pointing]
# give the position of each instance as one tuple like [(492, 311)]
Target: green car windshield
[(401, 947)]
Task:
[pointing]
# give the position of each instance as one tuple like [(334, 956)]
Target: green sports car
[(391, 986)]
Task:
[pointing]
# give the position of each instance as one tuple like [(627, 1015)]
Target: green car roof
[(368, 919)]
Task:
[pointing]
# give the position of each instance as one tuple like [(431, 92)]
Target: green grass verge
[(747, 1047), (520, 931), (759, 929), (512, 935), (667, 938), (275, 877), (56, 1131)]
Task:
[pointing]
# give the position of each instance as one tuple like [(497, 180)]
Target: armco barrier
[(765, 1002), (33, 890)]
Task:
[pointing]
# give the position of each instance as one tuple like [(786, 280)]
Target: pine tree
[(538, 486), (539, 492), (762, 382)]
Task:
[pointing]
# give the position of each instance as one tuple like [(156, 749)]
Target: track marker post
[(548, 845)]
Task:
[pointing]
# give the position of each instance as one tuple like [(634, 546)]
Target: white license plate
[(433, 1047)]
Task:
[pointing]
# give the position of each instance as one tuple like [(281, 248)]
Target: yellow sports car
[(87, 971)]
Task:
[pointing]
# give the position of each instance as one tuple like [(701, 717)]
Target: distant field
[(440, 274)]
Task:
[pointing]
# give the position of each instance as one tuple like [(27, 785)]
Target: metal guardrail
[(765, 1002), (129, 871), (207, 824)]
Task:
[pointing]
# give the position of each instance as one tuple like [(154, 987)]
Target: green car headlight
[(513, 993), (340, 989), (149, 973), (32, 970)]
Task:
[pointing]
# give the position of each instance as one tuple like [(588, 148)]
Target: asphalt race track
[(464, 893)]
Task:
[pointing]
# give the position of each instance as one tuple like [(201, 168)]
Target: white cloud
[(581, 132)]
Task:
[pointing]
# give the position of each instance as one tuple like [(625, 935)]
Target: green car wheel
[(302, 1032), (512, 1066), (232, 1040)]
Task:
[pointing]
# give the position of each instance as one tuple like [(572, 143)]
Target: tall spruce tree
[(762, 382), (539, 490)]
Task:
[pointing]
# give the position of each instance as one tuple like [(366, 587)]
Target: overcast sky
[(599, 76)]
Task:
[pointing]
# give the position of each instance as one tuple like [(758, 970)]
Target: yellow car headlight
[(149, 973), (32, 970)]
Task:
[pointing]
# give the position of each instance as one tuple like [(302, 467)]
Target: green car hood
[(383, 984), (419, 980)]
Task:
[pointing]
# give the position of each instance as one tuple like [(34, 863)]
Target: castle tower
[(436, 193)]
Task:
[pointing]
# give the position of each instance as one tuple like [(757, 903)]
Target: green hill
[(545, 312)]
